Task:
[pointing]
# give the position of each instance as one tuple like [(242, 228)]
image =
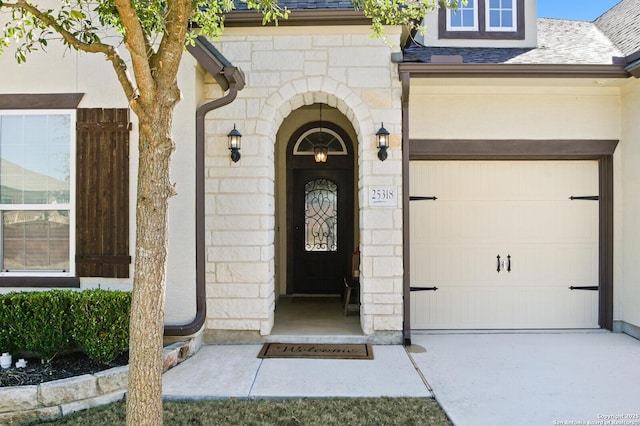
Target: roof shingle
[(559, 42), (622, 25)]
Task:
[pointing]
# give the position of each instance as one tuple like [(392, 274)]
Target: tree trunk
[(144, 397)]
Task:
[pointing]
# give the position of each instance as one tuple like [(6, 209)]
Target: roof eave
[(634, 68), (216, 64), (633, 64), (422, 70), (308, 17)]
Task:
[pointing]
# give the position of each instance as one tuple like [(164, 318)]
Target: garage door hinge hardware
[(417, 198), (587, 287), (586, 197), (423, 288)]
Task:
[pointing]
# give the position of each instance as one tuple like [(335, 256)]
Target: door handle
[(504, 264)]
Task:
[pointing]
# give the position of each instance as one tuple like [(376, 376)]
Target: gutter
[(423, 70), (299, 17), (634, 68), (230, 78)]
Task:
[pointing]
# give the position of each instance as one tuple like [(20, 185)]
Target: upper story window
[(501, 15), (37, 182), (464, 18), (483, 19)]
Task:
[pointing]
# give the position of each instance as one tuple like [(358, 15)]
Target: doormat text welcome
[(317, 351)]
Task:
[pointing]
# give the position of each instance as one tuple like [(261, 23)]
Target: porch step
[(330, 338)]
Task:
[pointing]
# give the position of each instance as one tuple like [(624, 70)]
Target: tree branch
[(137, 45), (111, 53), (171, 47)]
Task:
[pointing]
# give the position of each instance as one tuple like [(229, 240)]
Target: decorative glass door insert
[(321, 215)]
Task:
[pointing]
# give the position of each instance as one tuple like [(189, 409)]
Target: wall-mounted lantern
[(383, 142), (234, 144)]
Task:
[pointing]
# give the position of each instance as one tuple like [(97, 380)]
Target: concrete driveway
[(585, 378)]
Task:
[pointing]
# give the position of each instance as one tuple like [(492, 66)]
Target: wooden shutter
[(102, 193)]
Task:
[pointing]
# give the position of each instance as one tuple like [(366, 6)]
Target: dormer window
[(501, 15), (464, 18), (483, 19)]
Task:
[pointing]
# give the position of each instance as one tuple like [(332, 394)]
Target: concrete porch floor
[(314, 319)]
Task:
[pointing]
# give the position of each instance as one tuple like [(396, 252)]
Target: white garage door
[(520, 211)]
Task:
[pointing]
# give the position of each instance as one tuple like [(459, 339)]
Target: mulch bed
[(62, 367)]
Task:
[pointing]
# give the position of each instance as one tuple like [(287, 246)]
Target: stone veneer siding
[(287, 68)]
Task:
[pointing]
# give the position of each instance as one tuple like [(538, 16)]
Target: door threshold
[(317, 338)]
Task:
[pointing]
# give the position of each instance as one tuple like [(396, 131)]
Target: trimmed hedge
[(52, 322)]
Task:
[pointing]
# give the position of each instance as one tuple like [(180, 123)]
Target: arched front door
[(320, 210)]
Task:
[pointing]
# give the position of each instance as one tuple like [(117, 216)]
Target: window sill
[(40, 282), (483, 35)]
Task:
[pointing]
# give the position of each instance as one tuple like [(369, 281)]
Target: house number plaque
[(383, 196)]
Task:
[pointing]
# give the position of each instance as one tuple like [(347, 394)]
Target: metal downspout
[(405, 78), (201, 307)]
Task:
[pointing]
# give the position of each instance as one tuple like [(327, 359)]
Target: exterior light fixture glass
[(383, 142), (320, 153), (234, 144)]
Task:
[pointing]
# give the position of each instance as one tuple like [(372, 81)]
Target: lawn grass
[(325, 412)]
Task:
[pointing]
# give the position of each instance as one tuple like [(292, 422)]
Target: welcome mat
[(317, 351)]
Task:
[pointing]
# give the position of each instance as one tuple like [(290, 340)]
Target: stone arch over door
[(306, 92)]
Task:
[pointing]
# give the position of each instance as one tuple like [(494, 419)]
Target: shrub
[(7, 315), (101, 323), (52, 322), (41, 322)]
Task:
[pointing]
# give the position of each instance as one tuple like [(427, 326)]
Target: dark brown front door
[(322, 230), (320, 212)]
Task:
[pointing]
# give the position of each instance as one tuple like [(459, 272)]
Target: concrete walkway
[(533, 379), (478, 379), (235, 371)]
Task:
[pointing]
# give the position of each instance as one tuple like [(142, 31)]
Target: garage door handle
[(586, 287), (423, 288), (508, 263), (499, 263), (586, 197)]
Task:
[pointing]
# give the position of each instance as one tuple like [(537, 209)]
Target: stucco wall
[(287, 68), (629, 293), (60, 70), (481, 109)]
